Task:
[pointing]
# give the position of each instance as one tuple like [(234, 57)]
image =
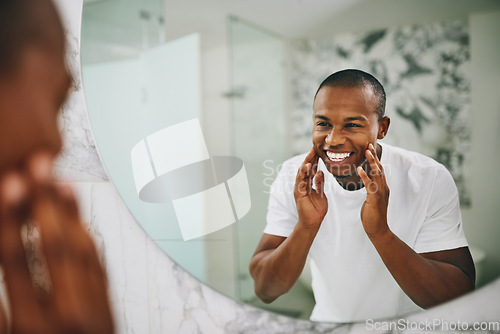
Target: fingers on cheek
[(17, 273), (303, 175), (78, 280), (73, 261), (368, 155), (13, 195), (78, 240), (40, 167), (370, 185), (50, 219), (315, 162), (307, 170), (14, 212), (88, 280), (12, 201), (319, 180), (4, 328), (362, 174), (300, 172), (301, 186), (371, 159)]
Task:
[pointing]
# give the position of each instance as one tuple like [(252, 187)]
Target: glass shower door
[(259, 128)]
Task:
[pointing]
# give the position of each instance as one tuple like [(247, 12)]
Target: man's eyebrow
[(322, 117), (359, 118)]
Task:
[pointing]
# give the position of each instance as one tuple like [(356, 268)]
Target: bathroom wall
[(482, 227)]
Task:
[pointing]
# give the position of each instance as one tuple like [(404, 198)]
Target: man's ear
[(383, 127)]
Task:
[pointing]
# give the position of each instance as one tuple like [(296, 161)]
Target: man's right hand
[(75, 296), (312, 203), (278, 261)]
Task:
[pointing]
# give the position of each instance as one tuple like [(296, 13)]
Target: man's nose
[(335, 137)]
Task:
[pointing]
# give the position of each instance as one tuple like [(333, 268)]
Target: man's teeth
[(337, 156)]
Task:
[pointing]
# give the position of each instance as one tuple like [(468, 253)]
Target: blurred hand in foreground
[(76, 298)]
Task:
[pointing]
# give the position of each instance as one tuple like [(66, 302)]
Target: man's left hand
[(374, 209)]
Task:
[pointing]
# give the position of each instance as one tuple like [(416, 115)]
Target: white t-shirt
[(349, 279)]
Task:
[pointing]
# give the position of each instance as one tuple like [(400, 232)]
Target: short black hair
[(357, 78)]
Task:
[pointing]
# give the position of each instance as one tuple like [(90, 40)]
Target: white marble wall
[(152, 294), (78, 160)]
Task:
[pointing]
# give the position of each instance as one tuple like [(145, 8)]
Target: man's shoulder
[(409, 159), (414, 168)]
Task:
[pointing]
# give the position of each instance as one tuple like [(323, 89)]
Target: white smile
[(337, 157)]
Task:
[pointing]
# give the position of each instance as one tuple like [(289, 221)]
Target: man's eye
[(352, 125), (323, 124)]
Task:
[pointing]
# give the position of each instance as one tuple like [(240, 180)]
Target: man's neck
[(351, 183)]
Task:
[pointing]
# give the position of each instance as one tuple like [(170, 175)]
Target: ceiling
[(312, 18), (119, 21)]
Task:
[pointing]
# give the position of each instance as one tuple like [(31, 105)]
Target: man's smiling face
[(345, 122)]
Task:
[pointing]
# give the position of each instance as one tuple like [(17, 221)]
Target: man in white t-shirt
[(373, 255)]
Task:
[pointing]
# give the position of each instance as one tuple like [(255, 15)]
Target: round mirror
[(194, 106)]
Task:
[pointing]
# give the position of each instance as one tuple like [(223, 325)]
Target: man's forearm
[(427, 282), (275, 271)]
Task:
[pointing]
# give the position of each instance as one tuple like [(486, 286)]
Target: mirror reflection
[(249, 74)]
